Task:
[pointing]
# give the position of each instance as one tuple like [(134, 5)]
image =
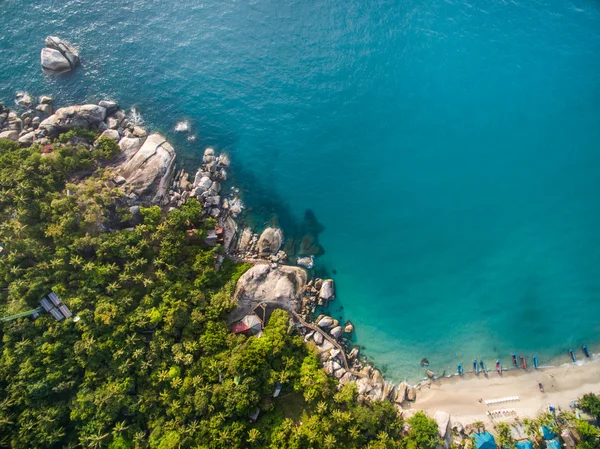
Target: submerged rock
[(23, 99), (306, 262)]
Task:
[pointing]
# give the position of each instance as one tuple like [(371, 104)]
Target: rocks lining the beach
[(255, 248), (58, 55)]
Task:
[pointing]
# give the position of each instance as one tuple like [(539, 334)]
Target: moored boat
[(460, 369), (586, 352), (475, 366), (482, 365), (572, 355), (535, 361), (523, 362), (498, 366), (515, 359)]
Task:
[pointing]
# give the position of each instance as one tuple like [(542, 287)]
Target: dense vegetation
[(151, 362)]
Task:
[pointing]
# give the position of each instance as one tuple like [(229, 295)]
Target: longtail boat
[(515, 360), (475, 366), (460, 369), (523, 362), (586, 352), (498, 366), (482, 366), (572, 355), (535, 362)]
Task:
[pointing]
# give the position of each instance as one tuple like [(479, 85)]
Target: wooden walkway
[(330, 340)]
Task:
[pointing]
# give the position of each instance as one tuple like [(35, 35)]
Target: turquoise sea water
[(451, 149)]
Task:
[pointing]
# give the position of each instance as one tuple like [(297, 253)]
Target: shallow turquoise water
[(450, 149)]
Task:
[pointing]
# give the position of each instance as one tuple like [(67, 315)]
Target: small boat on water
[(535, 362), (523, 362), (586, 352), (515, 360), (481, 364), (498, 366), (460, 369), (475, 366), (572, 355)]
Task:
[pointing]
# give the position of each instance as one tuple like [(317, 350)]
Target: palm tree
[(329, 441), (479, 425), (253, 435), (505, 439), (532, 429)]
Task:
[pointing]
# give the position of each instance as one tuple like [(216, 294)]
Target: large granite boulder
[(279, 286), (443, 421), (130, 145), (401, 392), (270, 241), (327, 291), (87, 116), (150, 170), (58, 56), (245, 241)]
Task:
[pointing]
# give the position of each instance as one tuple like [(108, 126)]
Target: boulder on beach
[(401, 391), (411, 394), (150, 169), (443, 421), (270, 241), (58, 55)]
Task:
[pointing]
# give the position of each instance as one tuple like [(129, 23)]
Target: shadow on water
[(264, 207)]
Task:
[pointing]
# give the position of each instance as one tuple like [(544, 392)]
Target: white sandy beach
[(460, 396)]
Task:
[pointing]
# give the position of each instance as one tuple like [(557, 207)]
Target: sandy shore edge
[(460, 395)]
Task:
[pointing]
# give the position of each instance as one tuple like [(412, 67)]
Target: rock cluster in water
[(58, 55)]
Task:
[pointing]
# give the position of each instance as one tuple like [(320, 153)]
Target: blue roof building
[(485, 440)]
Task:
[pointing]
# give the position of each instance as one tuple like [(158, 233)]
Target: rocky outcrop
[(279, 285), (269, 242), (64, 119), (150, 170), (253, 247), (443, 421), (58, 55), (23, 99), (401, 392), (326, 292)]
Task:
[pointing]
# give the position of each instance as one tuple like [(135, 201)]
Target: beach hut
[(553, 444), (484, 440), (249, 325)]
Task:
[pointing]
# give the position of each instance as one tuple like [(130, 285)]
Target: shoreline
[(460, 395)]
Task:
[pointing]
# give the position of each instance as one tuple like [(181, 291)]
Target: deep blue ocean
[(450, 149)]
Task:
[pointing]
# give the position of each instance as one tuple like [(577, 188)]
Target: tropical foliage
[(151, 362)]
